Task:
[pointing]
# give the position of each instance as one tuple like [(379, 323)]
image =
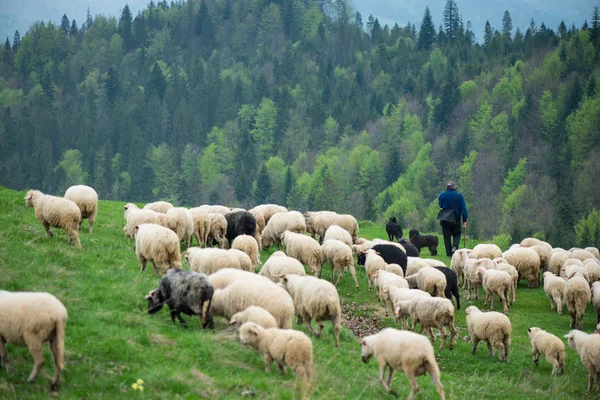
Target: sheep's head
[(250, 333), (597, 329), (155, 301), (531, 332), (571, 338), (362, 257), (366, 351), (471, 310), (31, 196)]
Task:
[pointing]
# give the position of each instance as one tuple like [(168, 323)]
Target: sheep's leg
[(468, 289), (47, 228), (504, 302), (444, 336), (476, 291), (475, 343), (572, 319), (452, 335), (35, 348), (175, 313), (321, 326), (487, 298), (144, 262), (410, 375), (4, 356), (308, 322), (55, 346), (91, 221), (382, 367), (536, 356), (490, 348), (552, 301), (353, 273), (268, 362), (492, 302), (281, 367)]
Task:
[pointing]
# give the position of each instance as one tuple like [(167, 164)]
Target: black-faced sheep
[(239, 223), (420, 241), (183, 292), (393, 229)]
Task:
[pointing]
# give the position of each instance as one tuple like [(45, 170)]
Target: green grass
[(111, 341)]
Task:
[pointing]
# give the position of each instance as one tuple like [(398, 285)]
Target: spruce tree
[(205, 30), (65, 26), (16, 42), (595, 31), (488, 34), (507, 24), (288, 183), (426, 31), (451, 20), (7, 45), (157, 81), (125, 28), (112, 84), (73, 31), (262, 190)]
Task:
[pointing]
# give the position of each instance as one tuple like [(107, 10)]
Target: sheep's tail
[(60, 343)]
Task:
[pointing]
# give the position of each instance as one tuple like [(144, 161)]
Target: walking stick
[(465, 238)]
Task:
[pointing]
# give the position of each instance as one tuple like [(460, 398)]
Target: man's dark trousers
[(451, 231)]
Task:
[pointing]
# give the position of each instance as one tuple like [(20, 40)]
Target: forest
[(309, 104)]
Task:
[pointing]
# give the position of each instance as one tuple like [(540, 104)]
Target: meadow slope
[(111, 341)]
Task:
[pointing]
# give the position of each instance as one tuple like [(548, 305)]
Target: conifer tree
[(65, 26), (507, 24), (73, 30), (205, 29), (426, 31), (16, 42), (125, 28), (262, 190), (157, 81), (452, 23), (488, 34), (595, 30)]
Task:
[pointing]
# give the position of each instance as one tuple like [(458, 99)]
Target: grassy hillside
[(111, 341)]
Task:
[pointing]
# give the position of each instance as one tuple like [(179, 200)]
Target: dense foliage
[(295, 102)]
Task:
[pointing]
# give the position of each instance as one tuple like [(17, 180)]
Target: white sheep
[(255, 314), (550, 346), (305, 249), (434, 312), (582, 254), (554, 286), (279, 264), (317, 222), (201, 225), (349, 223), (383, 279), (593, 269), (217, 209), (159, 245), (315, 299), (577, 297), (395, 268), (244, 259), (403, 351), (159, 206), (340, 257), (284, 346), (218, 229), (268, 210), (569, 264), (180, 221), (488, 250), (248, 245), (338, 233), (240, 295), (594, 251), (556, 262), (402, 298), (226, 276), (31, 319), (432, 281), (134, 217), (491, 326), (474, 274), (497, 283), (280, 222), (527, 262), (56, 212), (512, 271), (588, 348), (373, 262), (86, 199), (596, 298), (432, 262), (210, 260), (414, 264), (260, 220)]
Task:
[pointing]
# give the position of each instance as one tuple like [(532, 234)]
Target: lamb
[(411, 250), (226, 276), (554, 286), (284, 346), (434, 313), (390, 253), (527, 262), (239, 223), (218, 229), (429, 241), (512, 271), (404, 351), (86, 199), (159, 206), (349, 223), (549, 345), (581, 254), (402, 298), (451, 285), (577, 297), (157, 244), (493, 327), (373, 262), (414, 264), (255, 314), (596, 298), (183, 292), (180, 221), (239, 295), (474, 279), (316, 299), (490, 251), (31, 319), (383, 280), (201, 225), (268, 210), (291, 221), (340, 256), (556, 262), (248, 245), (56, 212), (393, 229), (432, 281), (338, 233), (588, 348), (134, 217), (279, 265), (305, 249), (210, 261), (497, 283)]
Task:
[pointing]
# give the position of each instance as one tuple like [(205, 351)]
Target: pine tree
[(65, 26), (376, 32), (88, 20), (16, 42), (262, 190), (112, 84), (451, 20), (125, 28), (449, 98), (426, 31), (562, 30), (73, 31), (157, 81), (393, 167), (7, 46), (205, 30), (288, 183), (595, 31), (488, 34), (358, 20), (507, 24)]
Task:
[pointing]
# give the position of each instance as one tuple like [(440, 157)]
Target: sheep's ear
[(362, 342), (378, 253), (28, 197), (285, 279), (529, 330), (233, 321)]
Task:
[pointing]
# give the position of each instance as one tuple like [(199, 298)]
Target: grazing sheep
[(556, 262), (218, 229), (402, 298), (340, 256), (395, 268), (594, 251), (56, 212), (349, 223), (490, 251), (260, 220), (159, 206), (581, 254), (577, 297), (305, 249), (593, 269), (239, 223), (391, 255), (474, 279), (458, 264), (512, 271), (317, 222), (596, 298), (217, 209), (420, 241), (338, 233), (497, 283), (527, 262), (210, 261), (255, 314), (434, 312), (286, 347), (451, 285), (268, 210), (393, 229), (403, 351), (549, 345), (291, 221), (588, 348), (86, 199), (491, 326), (226, 276), (432, 281), (411, 250), (180, 221), (414, 264), (157, 244), (183, 292), (544, 254), (554, 286), (134, 217), (279, 265), (570, 266), (530, 242), (31, 319), (383, 279), (201, 225), (244, 259), (248, 245), (372, 263)]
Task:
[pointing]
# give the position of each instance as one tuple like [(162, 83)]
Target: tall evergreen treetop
[(595, 30), (507, 24), (452, 23), (426, 31), (16, 42), (488, 34), (125, 27), (65, 25)]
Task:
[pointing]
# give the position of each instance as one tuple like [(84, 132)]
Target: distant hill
[(550, 12)]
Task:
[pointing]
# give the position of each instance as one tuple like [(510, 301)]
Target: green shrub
[(588, 230)]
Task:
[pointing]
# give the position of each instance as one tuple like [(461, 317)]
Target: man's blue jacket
[(453, 199)]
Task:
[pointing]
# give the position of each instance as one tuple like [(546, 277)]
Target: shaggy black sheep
[(239, 223), (393, 229), (419, 241), (411, 250), (183, 292), (391, 254), (451, 285)]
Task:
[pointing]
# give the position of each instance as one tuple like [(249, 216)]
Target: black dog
[(429, 241), (393, 229)]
